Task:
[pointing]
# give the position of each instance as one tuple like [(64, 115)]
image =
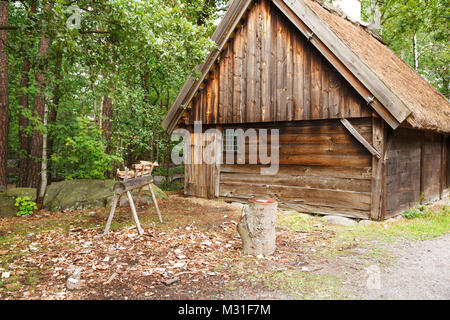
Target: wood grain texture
[(270, 72)]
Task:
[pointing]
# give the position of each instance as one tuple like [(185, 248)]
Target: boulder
[(338, 220), (22, 192), (8, 200), (7, 208), (85, 194)]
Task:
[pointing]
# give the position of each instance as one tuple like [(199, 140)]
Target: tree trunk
[(257, 227), (4, 105), (107, 113), (25, 140), (39, 110), (53, 113)]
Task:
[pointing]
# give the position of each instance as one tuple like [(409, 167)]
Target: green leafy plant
[(419, 211), (26, 206), (83, 156)]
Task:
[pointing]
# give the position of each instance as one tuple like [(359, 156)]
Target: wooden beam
[(360, 138), (378, 178)]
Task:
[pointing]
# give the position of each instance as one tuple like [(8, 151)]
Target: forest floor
[(196, 254)]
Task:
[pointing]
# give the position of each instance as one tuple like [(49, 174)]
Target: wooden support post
[(133, 211), (156, 203), (111, 214), (378, 172), (139, 196)]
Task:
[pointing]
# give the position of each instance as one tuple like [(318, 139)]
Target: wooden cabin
[(362, 134)]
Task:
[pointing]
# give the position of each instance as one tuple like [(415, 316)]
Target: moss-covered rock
[(7, 208), (22, 192), (83, 194)]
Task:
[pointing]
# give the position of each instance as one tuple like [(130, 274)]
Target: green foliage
[(428, 20), (26, 206), (83, 156), (419, 211)]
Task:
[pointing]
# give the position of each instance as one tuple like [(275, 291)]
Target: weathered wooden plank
[(345, 184), (364, 173), (340, 199)]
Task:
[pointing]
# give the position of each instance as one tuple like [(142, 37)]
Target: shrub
[(26, 206), (83, 155), (419, 211)]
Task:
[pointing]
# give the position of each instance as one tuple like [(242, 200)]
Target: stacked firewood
[(143, 168)]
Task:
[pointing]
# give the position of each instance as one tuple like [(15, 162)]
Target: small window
[(231, 141)]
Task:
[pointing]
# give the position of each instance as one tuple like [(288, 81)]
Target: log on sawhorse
[(125, 187)]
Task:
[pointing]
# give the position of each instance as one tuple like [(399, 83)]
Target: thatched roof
[(430, 109), (406, 97)]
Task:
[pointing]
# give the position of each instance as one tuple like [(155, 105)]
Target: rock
[(365, 223), (342, 221), (85, 194), (22, 192), (7, 208), (74, 281)]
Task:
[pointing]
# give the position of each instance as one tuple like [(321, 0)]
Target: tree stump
[(257, 227)]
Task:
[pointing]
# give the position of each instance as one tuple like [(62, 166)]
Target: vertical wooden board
[(325, 91), (251, 65), (243, 97), (209, 100), (378, 179), (222, 89), (334, 96), (281, 71), (431, 170), (307, 82), (258, 61), (299, 104), (237, 76), (315, 87), (290, 75), (216, 95), (273, 63), (230, 85), (265, 61)]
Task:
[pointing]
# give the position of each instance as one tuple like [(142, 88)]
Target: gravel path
[(422, 271)]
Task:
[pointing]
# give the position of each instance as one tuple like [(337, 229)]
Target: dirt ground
[(196, 254)]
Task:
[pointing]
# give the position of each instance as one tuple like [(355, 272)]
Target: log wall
[(323, 169), (417, 163)]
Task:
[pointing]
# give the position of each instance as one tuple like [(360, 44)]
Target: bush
[(26, 206), (83, 155)]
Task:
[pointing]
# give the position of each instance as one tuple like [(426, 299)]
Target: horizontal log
[(335, 198), (345, 184), (314, 171), (131, 184)]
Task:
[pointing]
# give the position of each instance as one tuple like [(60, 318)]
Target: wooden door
[(202, 173)]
